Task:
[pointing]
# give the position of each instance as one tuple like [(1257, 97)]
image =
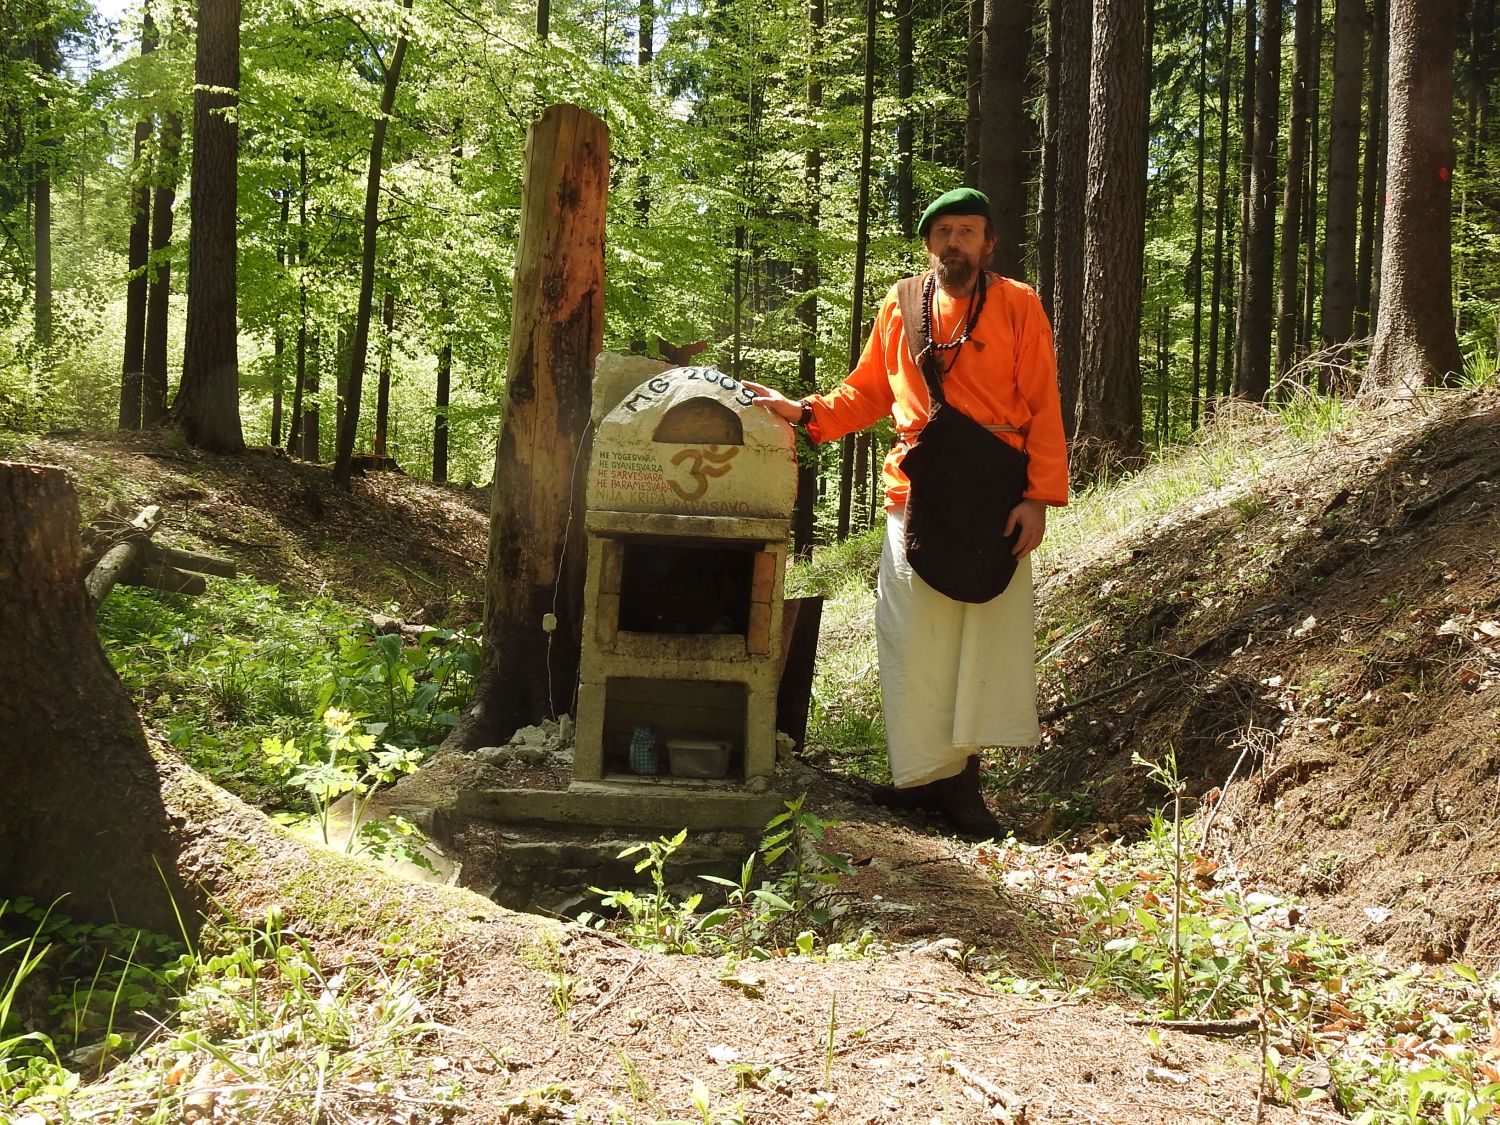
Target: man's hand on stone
[(774, 401), (1030, 516)]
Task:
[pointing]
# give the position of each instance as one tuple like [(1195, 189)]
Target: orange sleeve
[(1036, 377), (865, 396)]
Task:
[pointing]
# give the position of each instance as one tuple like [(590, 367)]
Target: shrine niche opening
[(700, 421)]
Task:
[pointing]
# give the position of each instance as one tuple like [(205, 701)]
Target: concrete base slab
[(625, 804)]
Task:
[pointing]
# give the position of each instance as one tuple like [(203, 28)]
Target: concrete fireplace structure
[(690, 496)]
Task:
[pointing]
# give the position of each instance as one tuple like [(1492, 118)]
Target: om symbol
[(702, 464)]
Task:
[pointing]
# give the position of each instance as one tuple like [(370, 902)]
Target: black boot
[(911, 798), (961, 800)]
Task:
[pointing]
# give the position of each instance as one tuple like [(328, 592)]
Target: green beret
[(959, 201)]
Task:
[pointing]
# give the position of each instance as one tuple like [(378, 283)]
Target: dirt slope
[(389, 538), (1328, 636)]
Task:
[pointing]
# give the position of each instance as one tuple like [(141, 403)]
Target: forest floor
[(1311, 629)]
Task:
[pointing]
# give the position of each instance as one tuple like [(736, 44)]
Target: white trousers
[(954, 676)]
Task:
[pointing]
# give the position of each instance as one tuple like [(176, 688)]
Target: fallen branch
[(1011, 1107), (1243, 1026)]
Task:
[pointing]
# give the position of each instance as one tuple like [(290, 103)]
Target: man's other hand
[(1030, 516)]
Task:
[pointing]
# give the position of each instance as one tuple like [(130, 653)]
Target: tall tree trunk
[(45, 54), (1074, 66), (1415, 343), (1221, 212), (1004, 137), (81, 811), (1310, 193), (1198, 198), (278, 360), (208, 399), (1253, 379), (159, 284), (1109, 405), (848, 449), (536, 554), (312, 438), (1289, 304), (440, 419), (1046, 210), (973, 87), (1247, 159), (359, 349), (383, 384), (1371, 213), (804, 515), (132, 368), (1343, 194), (294, 437), (906, 203)]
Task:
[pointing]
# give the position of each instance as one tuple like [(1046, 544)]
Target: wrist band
[(807, 413)]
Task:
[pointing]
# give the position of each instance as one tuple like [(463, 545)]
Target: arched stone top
[(690, 441)]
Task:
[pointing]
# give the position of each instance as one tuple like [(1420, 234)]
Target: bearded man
[(955, 675)]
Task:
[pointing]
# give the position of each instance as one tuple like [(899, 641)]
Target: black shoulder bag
[(964, 479)]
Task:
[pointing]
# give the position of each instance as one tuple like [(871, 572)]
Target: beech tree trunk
[(804, 520), (138, 246), (1200, 189), (906, 203), (440, 419), (1109, 405), (1288, 304), (848, 449), (383, 385), (1253, 373), (159, 277), (1372, 182), (81, 811), (1003, 140), (1221, 215), (208, 399), (348, 417), (973, 84), (536, 554), (1341, 209), (1073, 65), (1415, 344)]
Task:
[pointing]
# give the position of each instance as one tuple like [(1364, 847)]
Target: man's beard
[(957, 272)]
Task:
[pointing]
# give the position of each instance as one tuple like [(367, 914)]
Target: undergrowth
[(777, 907), (252, 1024), (1175, 932), (240, 669)]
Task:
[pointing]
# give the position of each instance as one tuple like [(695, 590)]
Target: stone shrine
[(690, 495)]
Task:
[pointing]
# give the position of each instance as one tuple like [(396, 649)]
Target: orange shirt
[(1006, 375)]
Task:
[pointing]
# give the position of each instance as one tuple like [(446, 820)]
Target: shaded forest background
[(238, 218)]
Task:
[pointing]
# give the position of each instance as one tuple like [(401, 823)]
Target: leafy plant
[(782, 915), (351, 763), (654, 919)]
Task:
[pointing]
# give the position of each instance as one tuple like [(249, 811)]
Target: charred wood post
[(534, 586)]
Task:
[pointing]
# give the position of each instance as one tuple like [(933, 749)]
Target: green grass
[(253, 1024)]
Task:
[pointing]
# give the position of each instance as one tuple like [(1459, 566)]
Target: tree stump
[(536, 555), (81, 812)]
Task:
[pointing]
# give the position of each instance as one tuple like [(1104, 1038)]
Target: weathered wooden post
[(534, 587), (81, 811)]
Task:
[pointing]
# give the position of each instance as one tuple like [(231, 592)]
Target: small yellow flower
[(337, 719)]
